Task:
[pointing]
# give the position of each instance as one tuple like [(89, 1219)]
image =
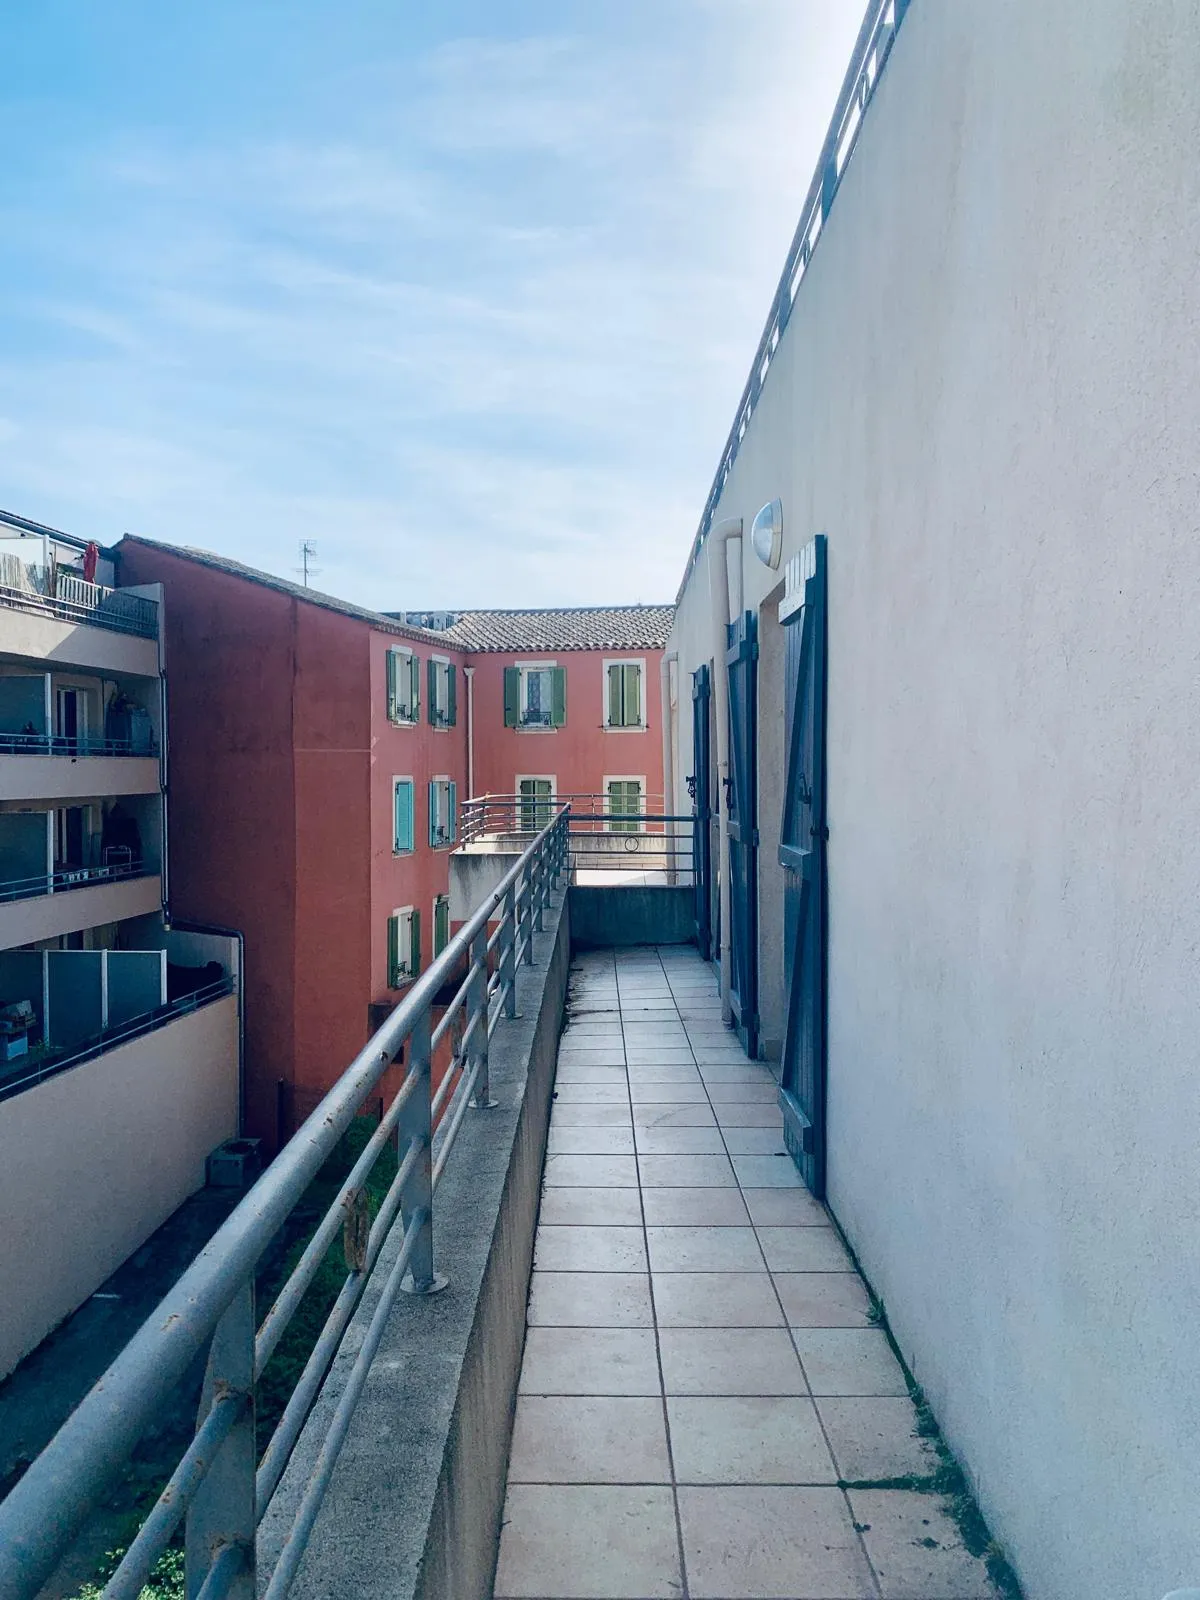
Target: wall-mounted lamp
[(766, 534)]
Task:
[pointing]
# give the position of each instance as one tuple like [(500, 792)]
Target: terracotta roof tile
[(561, 628)]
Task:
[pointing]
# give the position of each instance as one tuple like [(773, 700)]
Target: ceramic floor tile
[(767, 1172), (590, 1249), (736, 1114), (588, 1542), (568, 1072), (700, 1249), (589, 1361), (769, 1542), (590, 1300), (645, 1055), (773, 1208), (591, 1171), (612, 1115), (745, 1094), (823, 1299), (875, 1437), (588, 1439), (916, 1549), (730, 1361), (591, 1094), (657, 1072), (756, 1141), (583, 1140), (735, 1072), (693, 1208), (748, 1439), (665, 1114), (684, 1172), (646, 1094), (599, 1208), (716, 1300), (803, 1249), (849, 1361), (680, 1141)]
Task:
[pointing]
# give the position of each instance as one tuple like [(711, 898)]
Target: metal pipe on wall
[(469, 675), (719, 593)]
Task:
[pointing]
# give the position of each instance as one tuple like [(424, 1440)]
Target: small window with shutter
[(535, 695), (442, 693), (536, 803), (443, 813), (403, 946), (624, 798), (441, 923), (403, 686), (624, 694), (403, 831)]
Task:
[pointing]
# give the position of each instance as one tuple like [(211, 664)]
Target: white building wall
[(987, 399), (98, 1157)]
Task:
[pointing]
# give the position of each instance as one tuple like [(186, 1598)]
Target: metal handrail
[(490, 815), (212, 1304), (83, 744), (871, 50), (63, 879)]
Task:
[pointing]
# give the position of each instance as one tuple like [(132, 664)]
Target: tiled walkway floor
[(700, 1374)]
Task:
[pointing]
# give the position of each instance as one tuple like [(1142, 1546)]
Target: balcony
[(36, 766), (54, 615), (69, 899)]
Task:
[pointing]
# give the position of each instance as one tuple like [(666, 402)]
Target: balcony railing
[(217, 1486), (53, 592), (649, 842), (63, 878), (22, 1076), (60, 744)]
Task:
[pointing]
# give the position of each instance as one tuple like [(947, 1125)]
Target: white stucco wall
[(987, 399), (95, 1159)]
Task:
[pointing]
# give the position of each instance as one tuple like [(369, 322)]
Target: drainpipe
[(669, 806), (719, 597), (469, 675)]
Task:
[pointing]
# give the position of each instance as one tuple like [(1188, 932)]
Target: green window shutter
[(633, 696), (441, 924), (615, 717), (451, 695), (433, 815), (432, 676), (393, 952), (403, 832), (558, 696), (414, 688), (512, 696), (452, 811), (415, 951), (392, 709)]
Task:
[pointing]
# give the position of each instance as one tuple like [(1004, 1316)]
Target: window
[(403, 829), (624, 797), (443, 812), (403, 686), (623, 697), (403, 946), (536, 803), (535, 696), (441, 923), (443, 692)]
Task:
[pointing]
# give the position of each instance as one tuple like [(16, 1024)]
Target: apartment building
[(118, 1029), (563, 702), (316, 771)]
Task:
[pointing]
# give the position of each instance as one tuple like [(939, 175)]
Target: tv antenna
[(308, 549)]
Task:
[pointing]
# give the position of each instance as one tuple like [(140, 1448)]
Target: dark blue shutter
[(741, 802)]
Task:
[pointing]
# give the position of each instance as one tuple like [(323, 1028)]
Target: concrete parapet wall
[(413, 1511), (621, 914)]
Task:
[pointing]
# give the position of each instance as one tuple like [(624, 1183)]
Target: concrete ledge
[(619, 914), (414, 1508)]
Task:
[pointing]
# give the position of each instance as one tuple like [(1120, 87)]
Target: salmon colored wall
[(582, 753), (231, 811)]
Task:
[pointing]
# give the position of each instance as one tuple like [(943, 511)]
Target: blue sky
[(465, 293)]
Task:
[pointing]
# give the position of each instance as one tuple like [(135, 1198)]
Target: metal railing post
[(527, 915), (539, 878), (222, 1515), (416, 1123), (508, 952), (477, 1009)]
